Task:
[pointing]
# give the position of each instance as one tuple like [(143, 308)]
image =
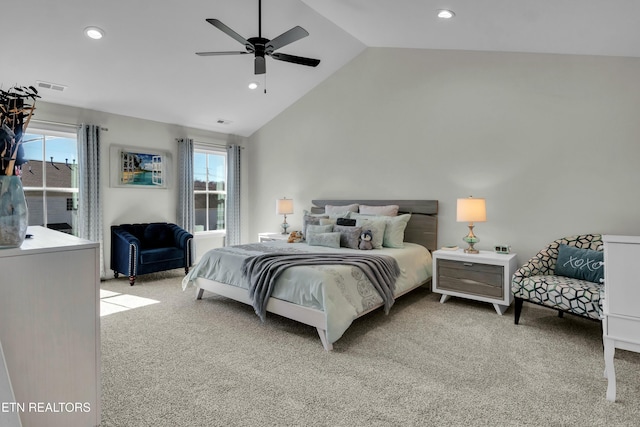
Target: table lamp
[(284, 207), (471, 210)]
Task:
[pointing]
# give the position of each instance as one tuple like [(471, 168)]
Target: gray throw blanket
[(263, 271)]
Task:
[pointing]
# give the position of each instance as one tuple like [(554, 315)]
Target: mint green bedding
[(343, 292)]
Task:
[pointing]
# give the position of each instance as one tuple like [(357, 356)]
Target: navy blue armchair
[(148, 248)]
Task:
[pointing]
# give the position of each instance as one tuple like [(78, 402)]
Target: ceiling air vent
[(51, 86)]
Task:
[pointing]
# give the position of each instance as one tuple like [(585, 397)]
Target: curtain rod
[(69, 125), (209, 144)]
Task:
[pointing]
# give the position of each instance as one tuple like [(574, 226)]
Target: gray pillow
[(349, 236), (331, 240), (310, 218)]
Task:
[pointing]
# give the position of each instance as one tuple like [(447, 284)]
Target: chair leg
[(186, 270), (132, 280), (518, 310), (560, 314)]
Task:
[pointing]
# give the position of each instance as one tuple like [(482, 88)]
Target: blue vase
[(14, 217)]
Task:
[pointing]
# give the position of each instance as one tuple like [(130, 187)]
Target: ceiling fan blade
[(221, 53), (228, 31), (259, 65), (294, 34), (310, 62)]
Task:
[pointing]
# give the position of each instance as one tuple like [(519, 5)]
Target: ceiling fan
[(262, 47)]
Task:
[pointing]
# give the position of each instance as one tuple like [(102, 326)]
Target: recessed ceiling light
[(445, 14), (253, 85), (94, 32)]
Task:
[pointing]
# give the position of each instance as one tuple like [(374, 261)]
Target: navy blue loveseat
[(148, 248)]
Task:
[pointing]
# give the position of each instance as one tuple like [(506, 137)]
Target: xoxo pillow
[(583, 264)]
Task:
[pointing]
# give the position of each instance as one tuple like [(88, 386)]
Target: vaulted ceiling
[(145, 66)]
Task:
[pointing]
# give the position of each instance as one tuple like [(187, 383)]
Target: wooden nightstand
[(266, 237), (482, 277)]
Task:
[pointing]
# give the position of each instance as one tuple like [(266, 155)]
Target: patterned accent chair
[(536, 282), (148, 248)]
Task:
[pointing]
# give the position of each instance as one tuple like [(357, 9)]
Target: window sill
[(211, 233)]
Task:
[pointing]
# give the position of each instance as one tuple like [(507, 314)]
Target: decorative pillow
[(388, 210), (338, 210), (394, 228), (349, 236), (331, 240), (377, 227), (346, 221), (310, 218), (583, 264), (315, 229), (394, 231)]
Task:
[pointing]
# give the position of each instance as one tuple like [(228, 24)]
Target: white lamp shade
[(284, 206), (471, 210)]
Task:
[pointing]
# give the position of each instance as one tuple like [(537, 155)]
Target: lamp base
[(471, 240), (284, 226)]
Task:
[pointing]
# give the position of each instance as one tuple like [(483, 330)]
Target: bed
[(327, 297)]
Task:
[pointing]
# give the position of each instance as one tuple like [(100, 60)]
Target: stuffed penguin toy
[(365, 240)]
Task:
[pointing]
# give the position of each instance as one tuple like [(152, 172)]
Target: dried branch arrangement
[(17, 106)]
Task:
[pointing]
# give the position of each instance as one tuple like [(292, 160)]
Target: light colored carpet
[(183, 362)]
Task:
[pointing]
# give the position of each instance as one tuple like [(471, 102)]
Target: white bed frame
[(421, 229)]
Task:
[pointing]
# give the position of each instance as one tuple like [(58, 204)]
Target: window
[(50, 180), (210, 189)]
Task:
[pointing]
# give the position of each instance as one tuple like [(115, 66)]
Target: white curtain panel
[(186, 210), (90, 191), (233, 195)]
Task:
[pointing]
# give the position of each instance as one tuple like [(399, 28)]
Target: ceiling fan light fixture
[(445, 14), (253, 85), (94, 33)]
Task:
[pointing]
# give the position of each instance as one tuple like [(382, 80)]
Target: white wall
[(551, 141), (130, 205)]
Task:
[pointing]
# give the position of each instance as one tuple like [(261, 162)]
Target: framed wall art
[(139, 167)]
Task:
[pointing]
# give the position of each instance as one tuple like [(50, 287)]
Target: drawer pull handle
[(467, 264)]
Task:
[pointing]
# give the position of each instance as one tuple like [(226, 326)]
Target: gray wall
[(551, 141), (128, 205)]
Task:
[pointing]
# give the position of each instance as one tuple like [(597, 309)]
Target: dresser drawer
[(624, 328), (471, 278)]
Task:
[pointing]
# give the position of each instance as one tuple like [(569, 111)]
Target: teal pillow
[(394, 228), (311, 219), (377, 227), (330, 240), (583, 264), (315, 229)]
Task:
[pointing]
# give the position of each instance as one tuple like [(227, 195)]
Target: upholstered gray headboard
[(422, 227)]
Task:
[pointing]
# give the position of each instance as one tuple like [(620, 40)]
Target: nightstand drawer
[(469, 277)]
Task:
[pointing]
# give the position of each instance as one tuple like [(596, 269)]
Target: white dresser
[(50, 328), (621, 309)]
